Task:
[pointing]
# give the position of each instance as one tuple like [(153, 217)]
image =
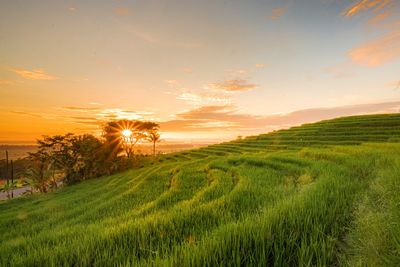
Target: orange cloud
[(87, 121), (260, 65), (236, 85), (363, 5), (28, 114), (378, 52), (278, 12), (218, 118), (122, 11), (80, 109), (377, 19), (36, 74), (208, 112)]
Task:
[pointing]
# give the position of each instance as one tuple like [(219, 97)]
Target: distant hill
[(16, 151)]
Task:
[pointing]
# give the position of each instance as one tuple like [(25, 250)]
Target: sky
[(205, 70)]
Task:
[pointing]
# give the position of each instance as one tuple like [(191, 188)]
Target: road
[(17, 192)]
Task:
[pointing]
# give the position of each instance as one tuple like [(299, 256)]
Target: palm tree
[(38, 176), (154, 137)]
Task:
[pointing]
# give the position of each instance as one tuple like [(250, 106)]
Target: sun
[(126, 133)]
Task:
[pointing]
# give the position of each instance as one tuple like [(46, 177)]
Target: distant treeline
[(16, 151)]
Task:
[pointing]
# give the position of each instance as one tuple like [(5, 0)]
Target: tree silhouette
[(123, 135), (154, 137)]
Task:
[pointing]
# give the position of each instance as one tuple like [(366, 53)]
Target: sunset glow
[(126, 133), (204, 70)]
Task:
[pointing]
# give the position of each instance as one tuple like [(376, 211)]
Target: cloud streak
[(203, 98), (378, 52), (122, 11), (379, 18), (36, 74), (81, 109), (25, 113), (366, 5), (235, 85)]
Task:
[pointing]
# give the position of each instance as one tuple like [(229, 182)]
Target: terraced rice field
[(323, 194)]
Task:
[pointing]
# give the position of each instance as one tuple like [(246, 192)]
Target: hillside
[(321, 194)]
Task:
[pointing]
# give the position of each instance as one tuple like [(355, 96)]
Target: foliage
[(38, 177), (9, 186), (80, 157), (153, 137), (140, 130)]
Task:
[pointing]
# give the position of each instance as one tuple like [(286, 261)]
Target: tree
[(151, 131), (154, 137), (54, 154), (116, 141), (123, 135), (38, 174), (75, 157), (89, 158)]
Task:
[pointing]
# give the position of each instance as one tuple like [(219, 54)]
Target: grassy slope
[(311, 195)]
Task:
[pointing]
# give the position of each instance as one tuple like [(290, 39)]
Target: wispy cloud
[(378, 52), (260, 65), (172, 83), (117, 113), (227, 117), (122, 11), (26, 113), (379, 18), (95, 116), (235, 85), (95, 104), (6, 82), (366, 5), (36, 74), (385, 48), (162, 40), (188, 70), (397, 86), (86, 120), (204, 98), (81, 109), (277, 13)]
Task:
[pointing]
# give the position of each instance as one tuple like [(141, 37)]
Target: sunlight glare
[(126, 133)]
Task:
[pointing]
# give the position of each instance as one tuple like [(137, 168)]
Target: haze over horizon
[(206, 71)]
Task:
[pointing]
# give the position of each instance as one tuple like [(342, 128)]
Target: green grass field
[(323, 194)]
